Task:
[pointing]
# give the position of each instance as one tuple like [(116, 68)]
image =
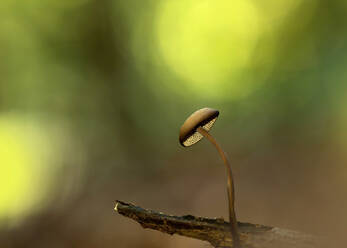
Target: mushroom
[(192, 131)]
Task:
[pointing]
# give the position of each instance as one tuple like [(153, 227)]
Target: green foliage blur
[(93, 93)]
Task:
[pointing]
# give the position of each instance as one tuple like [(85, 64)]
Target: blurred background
[(93, 93)]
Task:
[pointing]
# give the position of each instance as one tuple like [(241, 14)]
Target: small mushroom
[(192, 131)]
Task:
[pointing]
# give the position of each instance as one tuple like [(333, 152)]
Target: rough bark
[(217, 231)]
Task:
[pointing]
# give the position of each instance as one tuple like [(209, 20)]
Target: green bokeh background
[(92, 95)]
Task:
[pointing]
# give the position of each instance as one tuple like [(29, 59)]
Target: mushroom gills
[(196, 136)]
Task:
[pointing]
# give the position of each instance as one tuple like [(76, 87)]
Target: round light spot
[(208, 43)]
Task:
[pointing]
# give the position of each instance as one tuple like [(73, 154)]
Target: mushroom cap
[(204, 118)]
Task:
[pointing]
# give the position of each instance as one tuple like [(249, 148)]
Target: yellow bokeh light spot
[(208, 43), (23, 166)]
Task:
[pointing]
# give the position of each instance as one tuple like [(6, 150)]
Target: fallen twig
[(217, 231)]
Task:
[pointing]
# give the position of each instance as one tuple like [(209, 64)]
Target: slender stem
[(230, 188)]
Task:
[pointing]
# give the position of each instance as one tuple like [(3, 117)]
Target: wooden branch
[(216, 231)]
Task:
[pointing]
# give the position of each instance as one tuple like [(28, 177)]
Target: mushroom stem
[(230, 188)]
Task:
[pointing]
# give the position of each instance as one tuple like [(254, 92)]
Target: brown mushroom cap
[(205, 118)]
